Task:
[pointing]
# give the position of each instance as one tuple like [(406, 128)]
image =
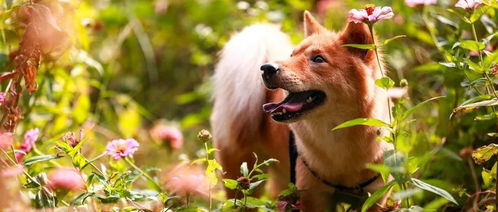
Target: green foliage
[(114, 69)]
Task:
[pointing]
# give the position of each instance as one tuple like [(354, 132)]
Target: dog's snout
[(269, 68), (269, 72)]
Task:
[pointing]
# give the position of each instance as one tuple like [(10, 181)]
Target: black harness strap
[(293, 157), (293, 154)]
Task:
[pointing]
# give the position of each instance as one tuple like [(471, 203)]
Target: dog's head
[(322, 75)]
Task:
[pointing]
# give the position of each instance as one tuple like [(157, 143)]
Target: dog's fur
[(348, 80)]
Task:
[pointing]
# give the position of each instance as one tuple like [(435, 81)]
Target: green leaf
[(473, 66), (418, 106), (360, 46), (472, 45), (80, 199), (41, 158), (484, 153), (394, 38), (230, 184), (376, 196), (362, 121), (243, 169), (472, 106), (428, 187), (384, 82), (478, 12)]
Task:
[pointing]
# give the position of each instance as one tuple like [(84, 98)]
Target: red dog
[(320, 86)]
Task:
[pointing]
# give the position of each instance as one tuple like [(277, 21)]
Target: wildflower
[(171, 134), (370, 14), (413, 3), (468, 4), (30, 138), (2, 97), (120, 148), (186, 180), (6, 139), (71, 139), (204, 136), (66, 179)]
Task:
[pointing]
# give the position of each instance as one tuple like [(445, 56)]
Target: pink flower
[(6, 139), (71, 139), (169, 133), (2, 97), (282, 205), (67, 179), (187, 180), (413, 3), (120, 148), (29, 141), (468, 4), (12, 171), (370, 14)]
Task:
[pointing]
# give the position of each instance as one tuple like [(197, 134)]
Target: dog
[(308, 89)]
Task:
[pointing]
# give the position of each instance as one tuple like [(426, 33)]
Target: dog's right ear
[(358, 33), (311, 25)]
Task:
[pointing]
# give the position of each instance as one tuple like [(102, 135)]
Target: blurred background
[(142, 68)]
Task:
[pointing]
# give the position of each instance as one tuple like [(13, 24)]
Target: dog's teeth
[(309, 99), (284, 111)]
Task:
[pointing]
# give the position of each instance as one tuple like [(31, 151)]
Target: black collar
[(293, 153)]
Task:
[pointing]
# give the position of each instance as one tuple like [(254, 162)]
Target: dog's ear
[(311, 25), (358, 33)]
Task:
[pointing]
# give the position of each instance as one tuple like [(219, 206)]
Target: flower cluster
[(468, 4), (370, 14), (121, 148)]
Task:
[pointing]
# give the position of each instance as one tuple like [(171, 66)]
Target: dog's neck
[(341, 155)]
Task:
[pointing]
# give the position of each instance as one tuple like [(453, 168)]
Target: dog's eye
[(318, 59)]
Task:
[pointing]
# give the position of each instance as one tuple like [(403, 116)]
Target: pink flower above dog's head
[(413, 3), (67, 179), (370, 14), (468, 4), (120, 148)]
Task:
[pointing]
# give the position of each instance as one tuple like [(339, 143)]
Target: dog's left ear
[(358, 33), (311, 25)]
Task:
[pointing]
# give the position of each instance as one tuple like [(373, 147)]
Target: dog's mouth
[(294, 105)]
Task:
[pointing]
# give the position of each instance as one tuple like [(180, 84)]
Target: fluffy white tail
[(238, 87)]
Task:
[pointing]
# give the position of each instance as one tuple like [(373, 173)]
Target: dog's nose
[(269, 69), (269, 72)]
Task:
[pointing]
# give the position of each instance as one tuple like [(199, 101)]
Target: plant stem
[(490, 88), (370, 27), (209, 184), (156, 186)]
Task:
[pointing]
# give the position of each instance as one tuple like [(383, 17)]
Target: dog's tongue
[(277, 107)]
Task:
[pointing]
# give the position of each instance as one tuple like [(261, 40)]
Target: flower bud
[(204, 136), (244, 182)]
